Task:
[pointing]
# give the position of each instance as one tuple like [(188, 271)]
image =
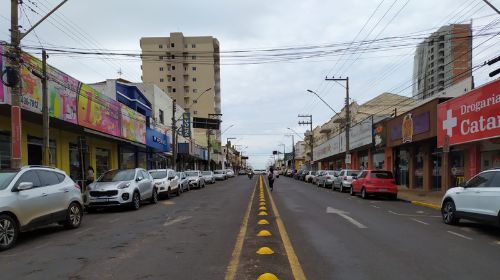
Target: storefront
[(360, 143), (411, 138), (379, 153), (469, 133), (331, 153), (158, 145)]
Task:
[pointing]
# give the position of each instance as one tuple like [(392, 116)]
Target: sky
[(260, 101)]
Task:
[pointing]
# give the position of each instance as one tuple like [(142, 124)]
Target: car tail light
[(78, 186)]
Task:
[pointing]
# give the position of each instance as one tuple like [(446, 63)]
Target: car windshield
[(352, 173), (6, 178), (313, 172), (381, 174), (218, 172), (118, 175), (160, 174), (206, 173), (191, 173)]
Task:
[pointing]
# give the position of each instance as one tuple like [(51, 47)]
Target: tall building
[(188, 70), (442, 60)]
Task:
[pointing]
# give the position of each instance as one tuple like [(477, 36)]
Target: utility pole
[(208, 147), (311, 138), (347, 117), (16, 88), (174, 136), (45, 111), (293, 151)]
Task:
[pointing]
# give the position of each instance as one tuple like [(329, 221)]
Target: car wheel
[(168, 195), (8, 232), (74, 216), (364, 195), (154, 196), (449, 213), (341, 188), (351, 191), (136, 201), (179, 191), (393, 196), (189, 188)]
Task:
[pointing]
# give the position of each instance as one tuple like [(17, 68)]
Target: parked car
[(230, 173), (316, 176), (220, 175), (326, 178), (183, 181), (208, 176), (35, 196), (303, 174), (296, 176), (374, 182), (242, 172), (476, 199), (166, 182), (119, 187), (344, 179), (309, 176), (289, 172), (195, 179)]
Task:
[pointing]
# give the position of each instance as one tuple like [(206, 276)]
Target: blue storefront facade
[(158, 149)]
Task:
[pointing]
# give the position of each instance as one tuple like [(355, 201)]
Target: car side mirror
[(171, 177), (139, 179), (25, 186)]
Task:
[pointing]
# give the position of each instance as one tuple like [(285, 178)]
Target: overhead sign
[(157, 140), (379, 132), (99, 112), (331, 147), (348, 158), (411, 125), (206, 123), (471, 117), (186, 125), (360, 134)]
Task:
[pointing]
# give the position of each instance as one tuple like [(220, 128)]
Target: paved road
[(333, 235), (381, 239)]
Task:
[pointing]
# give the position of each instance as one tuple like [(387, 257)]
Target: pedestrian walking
[(271, 177)]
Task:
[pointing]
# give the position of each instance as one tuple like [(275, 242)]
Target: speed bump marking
[(262, 213), (263, 222), (264, 233), (265, 251), (267, 276)]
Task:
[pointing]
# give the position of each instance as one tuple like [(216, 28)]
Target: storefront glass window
[(457, 167), (127, 158), (35, 151), (490, 159), (378, 161), (436, 170), (401, 164), (419, 167), (75, 167), (4, 150), (142, 160), (102, 161), (363, 160)]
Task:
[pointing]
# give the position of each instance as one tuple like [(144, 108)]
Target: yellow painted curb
[(267, 276), (263, 222), (262, 208), (264, 233), (265, 251), (262, 213), (425, 204)]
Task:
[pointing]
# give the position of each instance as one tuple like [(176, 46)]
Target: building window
[(173, 90), (4, 150), (195, 112), (173, 56), (102, 161), (160, 57), (172, 45), (160, 116), (35, 148), (160, 46), (195, 101), (169, 67), (127, 158), (173, 67), (169, 90), (194, 68), (195, 90), (169, 78), (193, 57), (193, 46), (161, 68), (173, 79), (194, 79), (161, 80)]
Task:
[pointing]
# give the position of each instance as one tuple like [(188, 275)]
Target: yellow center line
[(297, 271), (235, 257)]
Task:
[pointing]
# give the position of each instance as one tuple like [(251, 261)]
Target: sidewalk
[(431, 199)]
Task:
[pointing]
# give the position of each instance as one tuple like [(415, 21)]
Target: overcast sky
[(260, 100)]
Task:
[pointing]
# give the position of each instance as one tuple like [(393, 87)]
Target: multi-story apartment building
[(443, 59), (188, 70)]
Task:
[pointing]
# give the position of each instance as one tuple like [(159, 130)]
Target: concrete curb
[(421, 203)]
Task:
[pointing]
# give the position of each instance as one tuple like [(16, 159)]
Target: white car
[(478, 199), (166, 182), (208, 176), (195, 179), (230, 173), (310, 176), (220, 175)]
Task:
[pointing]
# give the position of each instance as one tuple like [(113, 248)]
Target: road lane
[(391, 247)]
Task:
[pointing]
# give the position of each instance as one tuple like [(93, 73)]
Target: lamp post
[(227, 150)]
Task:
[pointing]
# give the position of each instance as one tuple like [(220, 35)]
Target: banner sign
[(186, 125), (133, 125), (98, 112), (411, 125), (4, 96), (379, 135), (331, 147), (157, 140), (360, 134), (471, 117)]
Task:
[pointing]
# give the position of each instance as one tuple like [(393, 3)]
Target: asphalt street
[(207, 233)]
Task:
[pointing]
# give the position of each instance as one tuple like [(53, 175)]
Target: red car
[(375, 182)]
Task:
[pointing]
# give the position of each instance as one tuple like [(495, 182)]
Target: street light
[(322, 100), (296, 133)]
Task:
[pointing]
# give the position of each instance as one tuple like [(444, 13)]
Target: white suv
[(35, 196), (166, 181), (478, 199)]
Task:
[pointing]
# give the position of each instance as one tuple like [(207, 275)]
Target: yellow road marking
[(235, 257), (297, 271)]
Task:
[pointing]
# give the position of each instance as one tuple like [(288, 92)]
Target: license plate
[(382, 190)]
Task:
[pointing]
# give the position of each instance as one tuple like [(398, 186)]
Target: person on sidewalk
[(271, 177)]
